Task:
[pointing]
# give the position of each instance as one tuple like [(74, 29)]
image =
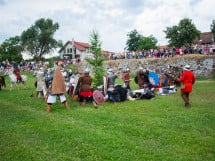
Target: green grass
[(158, 129)]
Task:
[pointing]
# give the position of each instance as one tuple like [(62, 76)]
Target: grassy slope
[(159, 129)]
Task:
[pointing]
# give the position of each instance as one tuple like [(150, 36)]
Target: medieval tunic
[(85, 86), (58, 83), (140, 79), (111, 81), (110, 87), (58, 87), (127, 80), (17, 72), (41, 86), (188, 79)]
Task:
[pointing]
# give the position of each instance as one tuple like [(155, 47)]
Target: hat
[(110, 70), (59, 62), (186, 67), (140, 68), (87, 70), (127, 69)]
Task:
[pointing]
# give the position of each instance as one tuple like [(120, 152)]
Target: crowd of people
[(165, 52), (27, 66), (51, 83)]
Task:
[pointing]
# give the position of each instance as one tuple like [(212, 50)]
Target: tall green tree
[(11, 49), (97, 61), (39, 40), (213, 29), (182, 35), (136, 41), (133, 40), (147, 43)]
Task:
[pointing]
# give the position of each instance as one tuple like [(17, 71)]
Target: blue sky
[(113, 19)]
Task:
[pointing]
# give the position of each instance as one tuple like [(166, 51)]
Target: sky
[(112, 19)]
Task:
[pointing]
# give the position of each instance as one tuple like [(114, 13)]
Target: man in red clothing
[(187, 79), (17, 71)]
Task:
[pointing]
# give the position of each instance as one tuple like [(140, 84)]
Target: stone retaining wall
[(202, 65)]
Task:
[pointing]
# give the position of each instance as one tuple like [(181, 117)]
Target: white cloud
[(112, 19)]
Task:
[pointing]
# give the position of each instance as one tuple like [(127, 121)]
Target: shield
[(98, 97), (75, 90), (153, 78), (105, 84)]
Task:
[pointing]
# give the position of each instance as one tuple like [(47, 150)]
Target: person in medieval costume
[(139, 79), (111, 84), (86, 93), (127, 79), (57, 88), (146, 81), (187, 80), (17, 71), (40, 83)]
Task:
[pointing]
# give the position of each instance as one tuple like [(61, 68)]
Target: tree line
[(38, 40)]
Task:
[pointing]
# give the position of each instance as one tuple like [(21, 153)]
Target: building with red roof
[(205, 38), (75, 50)]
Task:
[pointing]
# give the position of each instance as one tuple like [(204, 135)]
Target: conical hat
[(58, 83)]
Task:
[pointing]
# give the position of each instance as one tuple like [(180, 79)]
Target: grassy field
[(158, 129)]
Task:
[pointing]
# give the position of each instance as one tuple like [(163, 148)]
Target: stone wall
[(202, 65)]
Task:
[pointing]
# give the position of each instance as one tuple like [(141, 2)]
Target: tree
[(147, 43), (39, 40), (11, 49), (137, 42), (182, 35), (133, 40), (97, 61), (213, 29)]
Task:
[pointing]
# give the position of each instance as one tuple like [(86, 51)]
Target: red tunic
[(188, 79), (17, 72)]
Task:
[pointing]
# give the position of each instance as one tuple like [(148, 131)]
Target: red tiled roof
[(205, 37), (86, 45), (81, 46), (78, 45)]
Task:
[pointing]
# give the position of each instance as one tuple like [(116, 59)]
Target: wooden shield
[(76, 89), (98, 97), (105, 84)]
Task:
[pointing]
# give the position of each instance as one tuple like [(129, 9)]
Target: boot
[(94, 104), (48, 108), (66, 105), (187, 105)]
